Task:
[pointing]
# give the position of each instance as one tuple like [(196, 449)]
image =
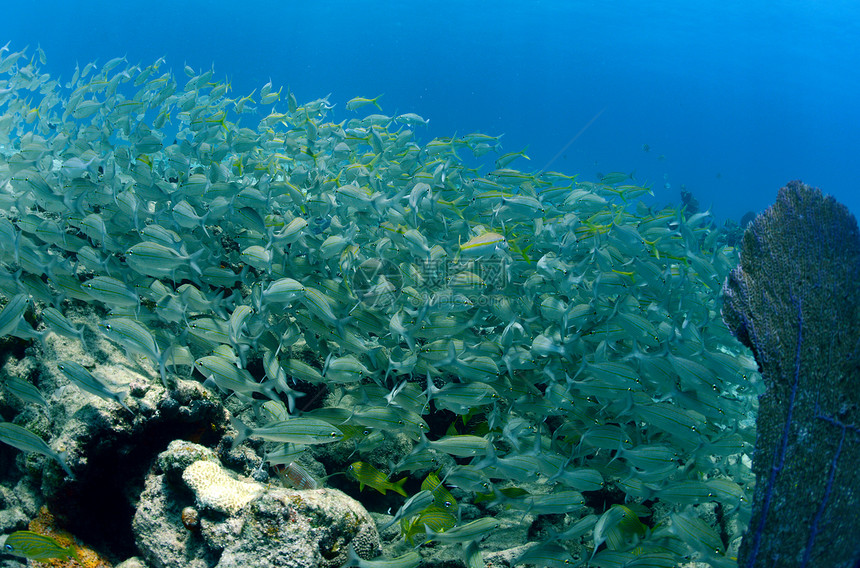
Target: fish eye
[(9, 547), (333, 434)]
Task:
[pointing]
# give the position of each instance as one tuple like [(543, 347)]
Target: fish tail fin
[(243, 431), (340, 322), (61, 458), (398, 486), (203, 220), (79, 333), (192, 259), (269, 388), (450, 358), (120, 397), (326, 364), (352, 559), (618, 452), (431, 389), (490, 460), (162, 365)]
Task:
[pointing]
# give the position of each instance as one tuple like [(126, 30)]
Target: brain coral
[(215, 489)]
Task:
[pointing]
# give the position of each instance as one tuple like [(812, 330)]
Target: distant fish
[(295, 430), (411, 119), (358, 102), (21, 438), (415, 504), (483, 245), (57, 322), (75, 167), (13, 313), (504, 160), (295, 476), (468, 532), (409, 560), (615, 177), (85, 380), (26, 391)]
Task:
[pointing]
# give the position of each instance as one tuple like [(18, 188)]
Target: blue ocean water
[(730, 99)]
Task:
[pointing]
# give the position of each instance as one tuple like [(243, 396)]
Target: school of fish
[(567, 335)]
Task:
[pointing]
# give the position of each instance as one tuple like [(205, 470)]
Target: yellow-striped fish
[(38, 547), (368, 475)]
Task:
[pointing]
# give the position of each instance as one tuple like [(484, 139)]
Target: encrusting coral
[(215, 489)]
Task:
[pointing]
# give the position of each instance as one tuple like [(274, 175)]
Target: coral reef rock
[(242, 523)]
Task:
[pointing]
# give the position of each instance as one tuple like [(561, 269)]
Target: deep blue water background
[(733, 98)]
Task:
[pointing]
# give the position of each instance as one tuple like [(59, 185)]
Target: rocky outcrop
[(194, 513)]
